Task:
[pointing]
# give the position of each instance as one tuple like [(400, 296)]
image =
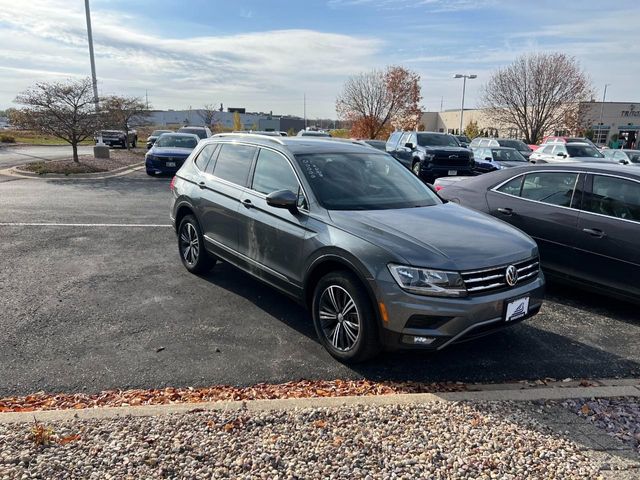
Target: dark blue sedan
[(169, 152)]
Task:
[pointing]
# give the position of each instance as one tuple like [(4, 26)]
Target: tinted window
[(363, 181), (548, 149), (204, 156), (517, 144), (555, 188), (176, 141), (234, 162), (273, 173), (614, 197), (512, 187), (507, 155), (436, 140), (200, 132), (583, 151)]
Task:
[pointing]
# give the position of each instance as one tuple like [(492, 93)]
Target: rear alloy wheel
[(190, 245), (344, 319), (415, 168)]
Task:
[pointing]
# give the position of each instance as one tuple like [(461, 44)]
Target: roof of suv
[(298, 145)]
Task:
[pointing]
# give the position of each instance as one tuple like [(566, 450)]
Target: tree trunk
[(74, 146)]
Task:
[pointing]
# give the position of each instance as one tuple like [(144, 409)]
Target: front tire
[(191, 247), (415, 168), (343, 318)]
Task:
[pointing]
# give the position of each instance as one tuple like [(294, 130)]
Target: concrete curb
[(118, 172), (628, 389)]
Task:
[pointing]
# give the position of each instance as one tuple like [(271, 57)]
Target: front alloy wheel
[(344, 318), (416, 168), (339, 318)]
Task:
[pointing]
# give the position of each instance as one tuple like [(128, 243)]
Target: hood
[(170, 151), (447, 236)]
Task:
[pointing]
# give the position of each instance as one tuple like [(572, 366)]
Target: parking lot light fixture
[(464, 87)]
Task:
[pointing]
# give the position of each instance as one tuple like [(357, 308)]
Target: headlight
[(424, 281), (428, 157), (148, 156)]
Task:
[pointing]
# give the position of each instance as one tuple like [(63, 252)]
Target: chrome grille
[(490, 279)]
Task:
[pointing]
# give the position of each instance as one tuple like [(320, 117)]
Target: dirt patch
[(86, 164)]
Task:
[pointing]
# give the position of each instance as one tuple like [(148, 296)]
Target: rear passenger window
[(234, 162), (554, 188), (393, 141), (204, 157), (512, 187), (273, 173), (614, 197)]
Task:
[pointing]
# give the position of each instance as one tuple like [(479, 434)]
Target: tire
[(194, 256), (415, 168), (348, 327)]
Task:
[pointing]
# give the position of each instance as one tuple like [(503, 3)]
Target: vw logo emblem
[(511, 275)]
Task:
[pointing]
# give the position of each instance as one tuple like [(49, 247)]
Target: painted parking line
[(136, 225)]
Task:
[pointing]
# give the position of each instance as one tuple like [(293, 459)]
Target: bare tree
[(536, 93), (376, 101), (208, 114), (122, 112), (65, 110)]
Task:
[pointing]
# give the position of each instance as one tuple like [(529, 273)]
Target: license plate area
[(171, 164), (453, 173), (516, 308)]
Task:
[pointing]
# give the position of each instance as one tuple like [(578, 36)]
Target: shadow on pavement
[(524, 351)]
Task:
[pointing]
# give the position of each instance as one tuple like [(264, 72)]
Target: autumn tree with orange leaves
[(377, 102)]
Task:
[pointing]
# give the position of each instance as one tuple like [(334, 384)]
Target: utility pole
[(441, 103), (604, 97), (146, 97), (464, 86), (91, 57), (304, 100)]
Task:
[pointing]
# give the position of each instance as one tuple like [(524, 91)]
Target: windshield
[(462, 138), (177, 141), (157, 133), (437, 140), (315, 134), (200, 132), (507, 155), (583, 151), (517, 144), (363, 181)]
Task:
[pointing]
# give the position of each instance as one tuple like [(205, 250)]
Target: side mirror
[(283, 199), (488, 159), (409, 145), (562, 154)]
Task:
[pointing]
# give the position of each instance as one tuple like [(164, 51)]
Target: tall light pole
[(604, 97), (464, 87), (91, 57)]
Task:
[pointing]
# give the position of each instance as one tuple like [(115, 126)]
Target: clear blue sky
[(264, 55)]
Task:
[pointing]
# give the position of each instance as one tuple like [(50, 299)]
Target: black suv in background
[(430, 155)]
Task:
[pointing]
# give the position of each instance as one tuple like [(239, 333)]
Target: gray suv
[(347, 231)]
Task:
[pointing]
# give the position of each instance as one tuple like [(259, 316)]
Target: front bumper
[(432, 323), (429, 171)]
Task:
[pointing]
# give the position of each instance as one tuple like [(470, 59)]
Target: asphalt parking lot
[(98, 299)]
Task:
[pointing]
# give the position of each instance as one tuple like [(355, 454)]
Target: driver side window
[(273, 172)]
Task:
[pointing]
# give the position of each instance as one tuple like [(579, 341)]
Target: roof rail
[(252, 135)]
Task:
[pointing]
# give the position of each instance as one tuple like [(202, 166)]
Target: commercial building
[(605, 120)]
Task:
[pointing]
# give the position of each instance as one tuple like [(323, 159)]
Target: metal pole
[(91, 57), (464, 86), (604, 96), (304, 100)]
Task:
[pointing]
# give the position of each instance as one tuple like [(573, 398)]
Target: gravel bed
[(437, 440), (619, 417)]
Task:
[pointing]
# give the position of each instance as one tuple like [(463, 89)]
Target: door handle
[(247, 203), (201, 184), (505, 211), (594, 232)]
